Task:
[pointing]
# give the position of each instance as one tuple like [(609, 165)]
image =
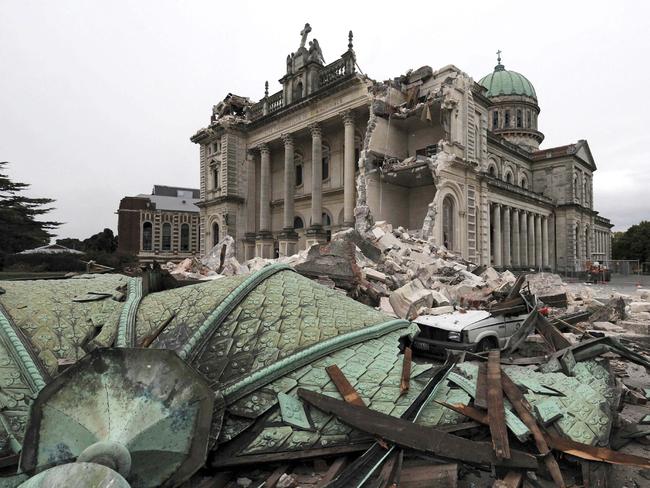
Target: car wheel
[(486, 344)]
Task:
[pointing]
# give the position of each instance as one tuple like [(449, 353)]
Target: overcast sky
[(98, 99)]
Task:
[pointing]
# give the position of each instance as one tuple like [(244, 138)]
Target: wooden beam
[(406, 371), (335, 468), (496, 410), (512, 479), (438, 475), (344, 387), (418, 437), (272, 480), (480, 400)]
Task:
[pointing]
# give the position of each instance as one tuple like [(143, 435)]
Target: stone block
[(439, 300), (408, 299), (637, 307), (607, 327), (642, 328), (373, 274), (388, 241)]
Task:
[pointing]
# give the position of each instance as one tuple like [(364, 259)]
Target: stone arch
[(298, 222), (214, 232), (493, 168), (508, 175), (523, 181), (452, 191), (166, 241)]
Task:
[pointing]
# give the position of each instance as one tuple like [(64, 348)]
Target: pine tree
[(19, 227)]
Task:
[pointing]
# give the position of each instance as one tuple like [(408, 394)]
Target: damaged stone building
[(445, 157)]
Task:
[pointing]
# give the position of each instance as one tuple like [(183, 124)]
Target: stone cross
[(499, 56), (304, 33)]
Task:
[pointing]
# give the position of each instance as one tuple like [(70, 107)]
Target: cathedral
[(453, 160)]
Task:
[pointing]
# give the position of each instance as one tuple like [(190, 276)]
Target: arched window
[(147, 236), (298, 223), (509, 177), (584, 190), (326, 161), (523, 183), (507, 119), (495, 119), (492, 171), (575, 187), (185, 237), (215, 234), (529, 123), (587, 247), (448, 222), (297, 94), (166, 236), (577, 242), (520, 119)]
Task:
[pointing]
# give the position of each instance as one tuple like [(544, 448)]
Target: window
[(495, 120), (492, 171), (299, 175), (327, 225), (297, 93), (147, 236), (448, 222), (215, 177), (507, 119), (298, 223), (166, 236), (185, 237), (529, 123), (524, 183), (357, 151), (520, 119), (215, 234), (326, 161), (509, 177), (215, 147)]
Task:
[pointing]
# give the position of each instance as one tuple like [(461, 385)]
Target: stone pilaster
[(538, 241), (315, 233), (531, 240), (516, 257), (506, 237), (497, 251), (288, 241), (349, 166), (545, 242), (523, 239), (264, 244)]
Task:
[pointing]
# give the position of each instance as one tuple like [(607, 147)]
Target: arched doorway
[(215, 234)]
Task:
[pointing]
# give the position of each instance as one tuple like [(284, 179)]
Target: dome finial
[(499, 66)]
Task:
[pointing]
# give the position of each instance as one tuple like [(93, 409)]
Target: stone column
[(315, 233), (288, 239), (251, 204), (516, 260), (264, 239), (348, 170), (538, 241), (531, 240), (496, 216), (545, 243), (523, 239), (507, 263)]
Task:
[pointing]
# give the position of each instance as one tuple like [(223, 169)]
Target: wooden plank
[(480, 400), (524, 410), (335, 468), (406, 371), (568, 446), (418, 437), (594, 475), (496, 410), (512, 479), (344, 387), (553, 337), (272, 480), (438, 475), (389, 476)]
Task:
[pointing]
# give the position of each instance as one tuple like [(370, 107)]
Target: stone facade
[(163, 226), (334, 149)]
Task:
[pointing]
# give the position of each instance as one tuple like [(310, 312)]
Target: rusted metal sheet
[(418, 437), (496, 410)]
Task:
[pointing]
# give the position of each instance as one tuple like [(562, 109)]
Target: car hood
[(456, 321)]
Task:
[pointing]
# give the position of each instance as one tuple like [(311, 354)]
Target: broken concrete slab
[(408, 299)]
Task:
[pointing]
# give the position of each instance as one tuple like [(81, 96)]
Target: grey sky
[(98, 99)]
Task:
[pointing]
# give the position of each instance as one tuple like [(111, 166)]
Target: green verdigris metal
[(141, 412)]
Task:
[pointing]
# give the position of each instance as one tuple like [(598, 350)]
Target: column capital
[(287, 138), (315, 130), (263, 148), (348, 117)]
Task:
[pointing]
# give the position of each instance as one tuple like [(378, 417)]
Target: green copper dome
[(504, 82)]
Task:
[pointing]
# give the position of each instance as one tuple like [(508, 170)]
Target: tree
[(18, 217), (103, 241), (634, 243)]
